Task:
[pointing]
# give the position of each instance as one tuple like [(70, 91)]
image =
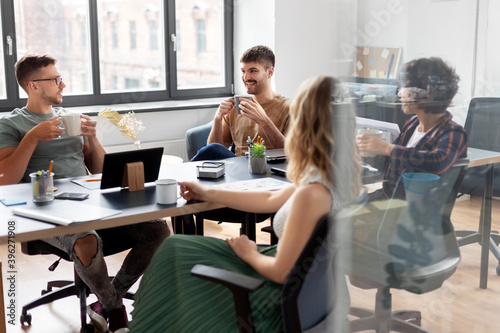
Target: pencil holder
[(257, 165), (43, 186)]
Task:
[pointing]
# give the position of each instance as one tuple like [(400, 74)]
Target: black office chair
[(481, 125), (65, 287), (413, 248), (309, 299)]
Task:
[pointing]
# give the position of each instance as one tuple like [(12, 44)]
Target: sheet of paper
[(385, 53), (261, 184)]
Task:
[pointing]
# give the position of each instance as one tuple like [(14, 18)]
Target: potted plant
[(257, 157)]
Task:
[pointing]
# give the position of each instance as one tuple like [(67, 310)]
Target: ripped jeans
[(143, 239)]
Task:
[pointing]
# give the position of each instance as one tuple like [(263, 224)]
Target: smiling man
[(266, 115), (30, 137)]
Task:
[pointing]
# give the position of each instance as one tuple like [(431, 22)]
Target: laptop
[(276, 155), (279, 171)]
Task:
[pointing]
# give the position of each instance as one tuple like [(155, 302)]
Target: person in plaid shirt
[(430, 141)]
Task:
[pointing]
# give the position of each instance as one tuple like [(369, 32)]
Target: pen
[(50, 166), (92, 180)]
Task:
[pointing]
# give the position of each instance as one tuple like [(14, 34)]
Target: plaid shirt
[(435, 153)]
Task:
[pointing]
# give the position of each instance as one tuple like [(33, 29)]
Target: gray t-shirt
[(66, 151)]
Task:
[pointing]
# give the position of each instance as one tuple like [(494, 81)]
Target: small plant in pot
[(257, 161)]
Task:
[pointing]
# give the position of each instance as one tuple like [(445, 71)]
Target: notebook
[(65, 212)]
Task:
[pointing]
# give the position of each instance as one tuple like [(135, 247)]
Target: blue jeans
[(213, 151)]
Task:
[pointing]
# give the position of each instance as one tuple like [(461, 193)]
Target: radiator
[(171, 147)]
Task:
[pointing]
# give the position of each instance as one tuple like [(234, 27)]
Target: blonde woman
[(324, 169)]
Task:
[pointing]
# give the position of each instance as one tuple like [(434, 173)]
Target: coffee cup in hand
[(72, 123), (237, 101), (166, 191), (369, 131)]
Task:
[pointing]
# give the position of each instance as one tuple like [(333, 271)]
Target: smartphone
[(71, 196)]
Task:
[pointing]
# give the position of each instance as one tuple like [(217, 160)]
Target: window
[(201, 36), (114, 35), (153, 36), (201, 25), (131, 83), (83, 36), (133, 36), (34, 35), (69, 37), (93, 40)]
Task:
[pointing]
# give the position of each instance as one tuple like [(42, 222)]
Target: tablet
[(114, 165)]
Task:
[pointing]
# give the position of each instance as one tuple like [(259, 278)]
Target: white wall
[(303, 34), (308, 35), (254, 24)]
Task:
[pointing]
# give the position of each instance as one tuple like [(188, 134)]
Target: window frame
[(96, 97)]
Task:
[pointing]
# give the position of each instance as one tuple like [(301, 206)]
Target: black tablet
[(115, 163)]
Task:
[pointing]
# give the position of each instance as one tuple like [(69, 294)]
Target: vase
[(257, 165), (137, 144)]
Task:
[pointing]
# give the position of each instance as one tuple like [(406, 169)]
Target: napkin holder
[(211, 170)]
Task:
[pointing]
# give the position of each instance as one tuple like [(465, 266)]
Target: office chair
[(481, 125), (65, 287), (196, 138), (413, 248), (309, 298)]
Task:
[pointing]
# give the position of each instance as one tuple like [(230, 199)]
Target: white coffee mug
[(166, 191), (237, 101), (369, 131), (72, 123)]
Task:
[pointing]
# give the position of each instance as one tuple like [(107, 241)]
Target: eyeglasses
[(58, 80)]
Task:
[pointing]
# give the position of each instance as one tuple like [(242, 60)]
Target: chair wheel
[(26, 319)]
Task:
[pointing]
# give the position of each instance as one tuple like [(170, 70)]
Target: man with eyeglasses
[(30, 138)]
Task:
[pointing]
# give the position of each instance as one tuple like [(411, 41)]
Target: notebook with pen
[(65, 212)]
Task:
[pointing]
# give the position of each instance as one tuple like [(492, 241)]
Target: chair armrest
[(239, 284), (232, 280)]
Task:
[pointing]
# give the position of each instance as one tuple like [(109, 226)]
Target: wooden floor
[(458, 306)]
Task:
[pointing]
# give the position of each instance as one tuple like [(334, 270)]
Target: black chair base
[(65, 289), (383, 319)]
